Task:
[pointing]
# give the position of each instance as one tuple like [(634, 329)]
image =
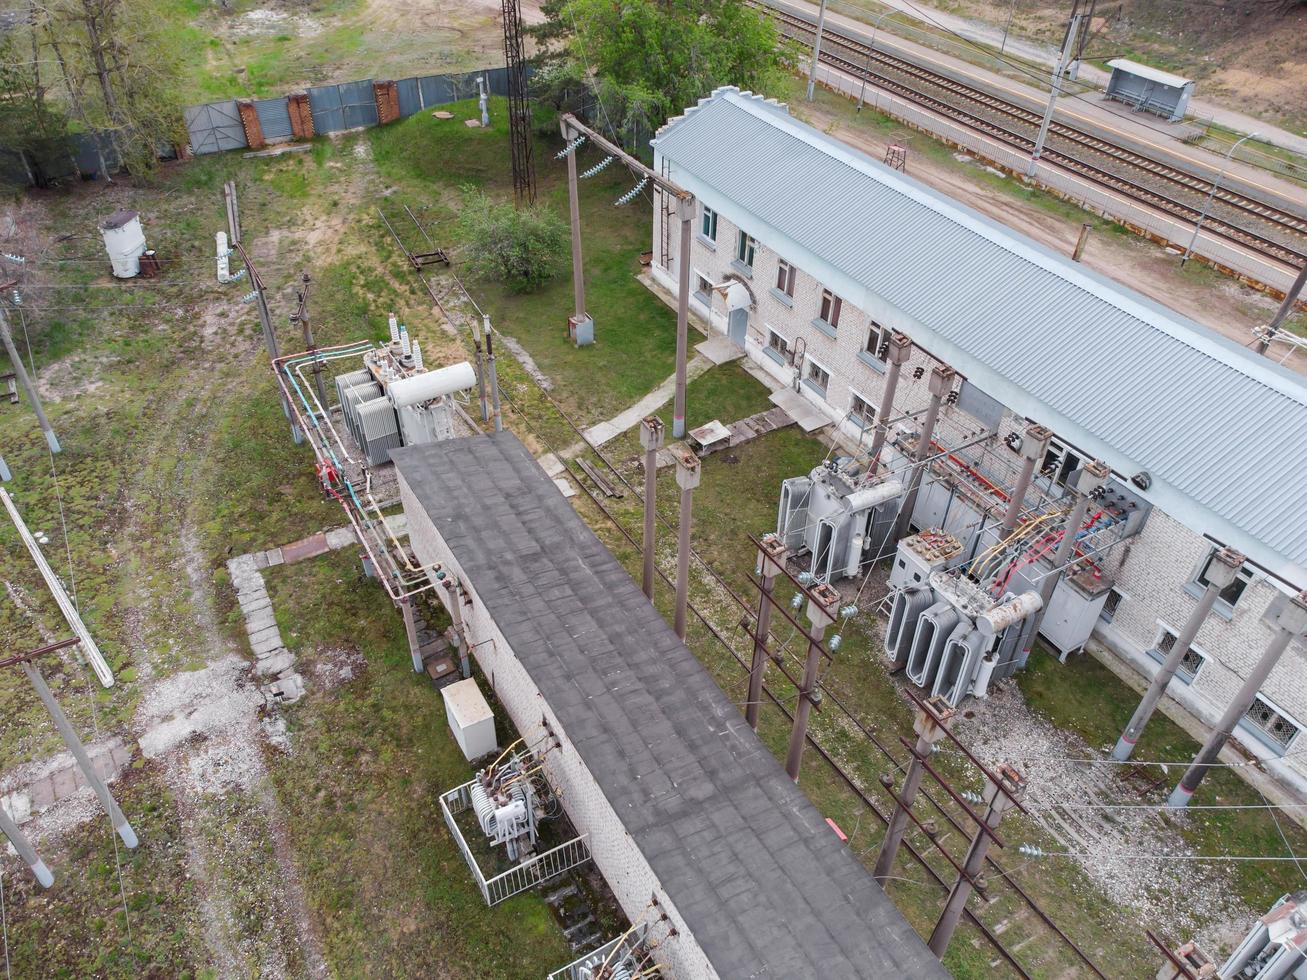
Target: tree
[(33, 133), (646, 60), (522, 248)]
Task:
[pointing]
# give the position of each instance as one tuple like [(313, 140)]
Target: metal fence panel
[(274, 118), (410, 97), (358, 104), (88, 147), (215, 126), (324, 102)]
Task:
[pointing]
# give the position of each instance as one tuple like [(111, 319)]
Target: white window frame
[(822, 390), (1267, 739), (857, 419), (1185, 675), (1060, 449), (708, 218), (745, 244)]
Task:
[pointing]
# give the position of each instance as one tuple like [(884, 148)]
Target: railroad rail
[(1280, 234)]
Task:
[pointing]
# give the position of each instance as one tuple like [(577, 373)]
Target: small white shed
[(470, 719)]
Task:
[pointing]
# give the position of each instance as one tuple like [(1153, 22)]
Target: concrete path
[(607, 431), (800, 409), (720, 349), (63, 778)]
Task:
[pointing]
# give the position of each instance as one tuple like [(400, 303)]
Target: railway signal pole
[(1070, 44), (816, 48)]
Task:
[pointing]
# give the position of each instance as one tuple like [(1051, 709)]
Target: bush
[(523, 248)]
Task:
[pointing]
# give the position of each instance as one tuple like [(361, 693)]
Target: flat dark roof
[(760, 878)]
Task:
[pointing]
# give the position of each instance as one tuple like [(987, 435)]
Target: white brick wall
[(615, 854), (1152, 571)]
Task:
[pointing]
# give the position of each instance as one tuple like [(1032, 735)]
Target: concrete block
[(260, 620), (267, 647), (342, 537), (64, 782), (274, 556), (42, 793), (274, 664), (19, 806), (287, 690), (261, 560), (263, 635)]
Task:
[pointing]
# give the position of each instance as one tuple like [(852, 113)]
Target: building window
[(830, 308), (1231, 593), (703, 289), (745, 250), (1059, 463), (818, 377), (1277, 728), (785, 278), (860, 411), (1110, 605), (1190, 664), (878, 341), (778, 347), (708, 228)]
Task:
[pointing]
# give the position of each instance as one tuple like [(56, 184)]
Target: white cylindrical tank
[(433, 384), (124, 240)]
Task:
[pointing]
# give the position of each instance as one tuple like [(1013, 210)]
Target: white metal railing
[(631, 943), (532, 871)]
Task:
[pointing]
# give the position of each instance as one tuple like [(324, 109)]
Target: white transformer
[(505, 804), (124, 240), (839, 516)]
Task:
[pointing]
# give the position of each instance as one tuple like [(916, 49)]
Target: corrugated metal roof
[(1148, 72), (1221, 431)]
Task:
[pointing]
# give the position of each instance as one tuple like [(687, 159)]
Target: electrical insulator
[(796, 600), (250, 296), (971, 797), (882, 351), (849, 611), (570, 148), (952, 397), (601, 165), (805, 578), (1031, 851), (237, 276), (18, 298), (14, 258), (835, 642), (918, 373), (1013, 441), (631, 195)]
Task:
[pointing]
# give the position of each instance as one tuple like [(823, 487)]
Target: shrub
[(523, 248)]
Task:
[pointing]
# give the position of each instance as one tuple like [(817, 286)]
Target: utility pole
[(822, 602), (685, 211), (999, 798), (1221, 572), (411, 631), (29, 387), (1207, 205), (1011, 12), (816, 48), (941, 383), (898, 350), (1063, 57), (477, 333), (1033, 446), (301, 316), (688, 473), (1079, 250), (1087, 480), (931, 724), (772, 554), (494, 377), (1282, 314), (651, 438), (25, 849), (1288, 617), (579, 315)]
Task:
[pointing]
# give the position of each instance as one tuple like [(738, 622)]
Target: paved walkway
[(65, 778), (607, 431)]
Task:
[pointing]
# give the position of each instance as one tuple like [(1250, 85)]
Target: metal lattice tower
[(519, 113)]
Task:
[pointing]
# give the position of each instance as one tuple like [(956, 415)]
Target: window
[(860, 411), (830, 308), (818, 377), (877, 338), (1110, 605), (778, 346), (745, 250), (702, 289), (1190, 664), (708, 227), (785, 278), (1059, 463), (1277, 728), (1231, 593)]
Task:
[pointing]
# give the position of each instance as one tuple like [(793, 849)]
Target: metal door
[(214, 127), (737, 326), (274, 119)]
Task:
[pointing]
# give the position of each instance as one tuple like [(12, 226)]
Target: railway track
[(1265, 228)]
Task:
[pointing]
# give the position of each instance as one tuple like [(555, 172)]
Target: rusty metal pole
[(1033, 447), (931, 725), (25, 849), (29, 388), (1288, 617), (685, 211), (688, 473), (999, 797), (771, 562), (651, 438), (1221, 571), (822, 602), (1081, 241), (1282, 314), (900, 349), (941, 382)]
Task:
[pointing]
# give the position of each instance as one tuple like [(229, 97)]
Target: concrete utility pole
[(1221, 572), (1282, 314), (900, 349), (494, 376), (816, 48), (999, 798), (822, 602), (301, 316), (1063, 56), (932, 721), (574, 209), (688, 473), (771, 562), (411, 631), (78, 751), (1088, 479), (454, 601), (29, 388), (1033, 446), (1288, 617), (685, 211), (25, 849), (941, 383), (651, 438), (477, 333)]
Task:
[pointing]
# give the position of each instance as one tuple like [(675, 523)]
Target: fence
[(234, 124)]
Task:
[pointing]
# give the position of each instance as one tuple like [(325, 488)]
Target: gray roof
[(1149, 72), (1221, 431), (763, 882)]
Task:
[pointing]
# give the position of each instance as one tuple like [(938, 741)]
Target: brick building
[(836, 251)]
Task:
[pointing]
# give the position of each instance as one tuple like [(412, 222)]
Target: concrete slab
[(19, 806), (310, 547), (552, 465), (264, 635), (808, 416), (42, 793), (274, 556), (565, 487), (267, 647), (64, 782), (260, 620), (343, 537), (720, 349), (274, 664)]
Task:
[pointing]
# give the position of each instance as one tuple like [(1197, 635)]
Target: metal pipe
[(930, 723), (477, 332), (941, 381), (651, 438), (871, 49), (1289, 619), (688, 474), (1221, 571), (686, 209), (411, 630), (900, 349), (25, 849), (28, 387), (75, 746), (1033, 447)]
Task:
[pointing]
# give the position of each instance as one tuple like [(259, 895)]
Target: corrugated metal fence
[(232, 124)]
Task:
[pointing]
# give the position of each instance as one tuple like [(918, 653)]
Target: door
[(737, 326)]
